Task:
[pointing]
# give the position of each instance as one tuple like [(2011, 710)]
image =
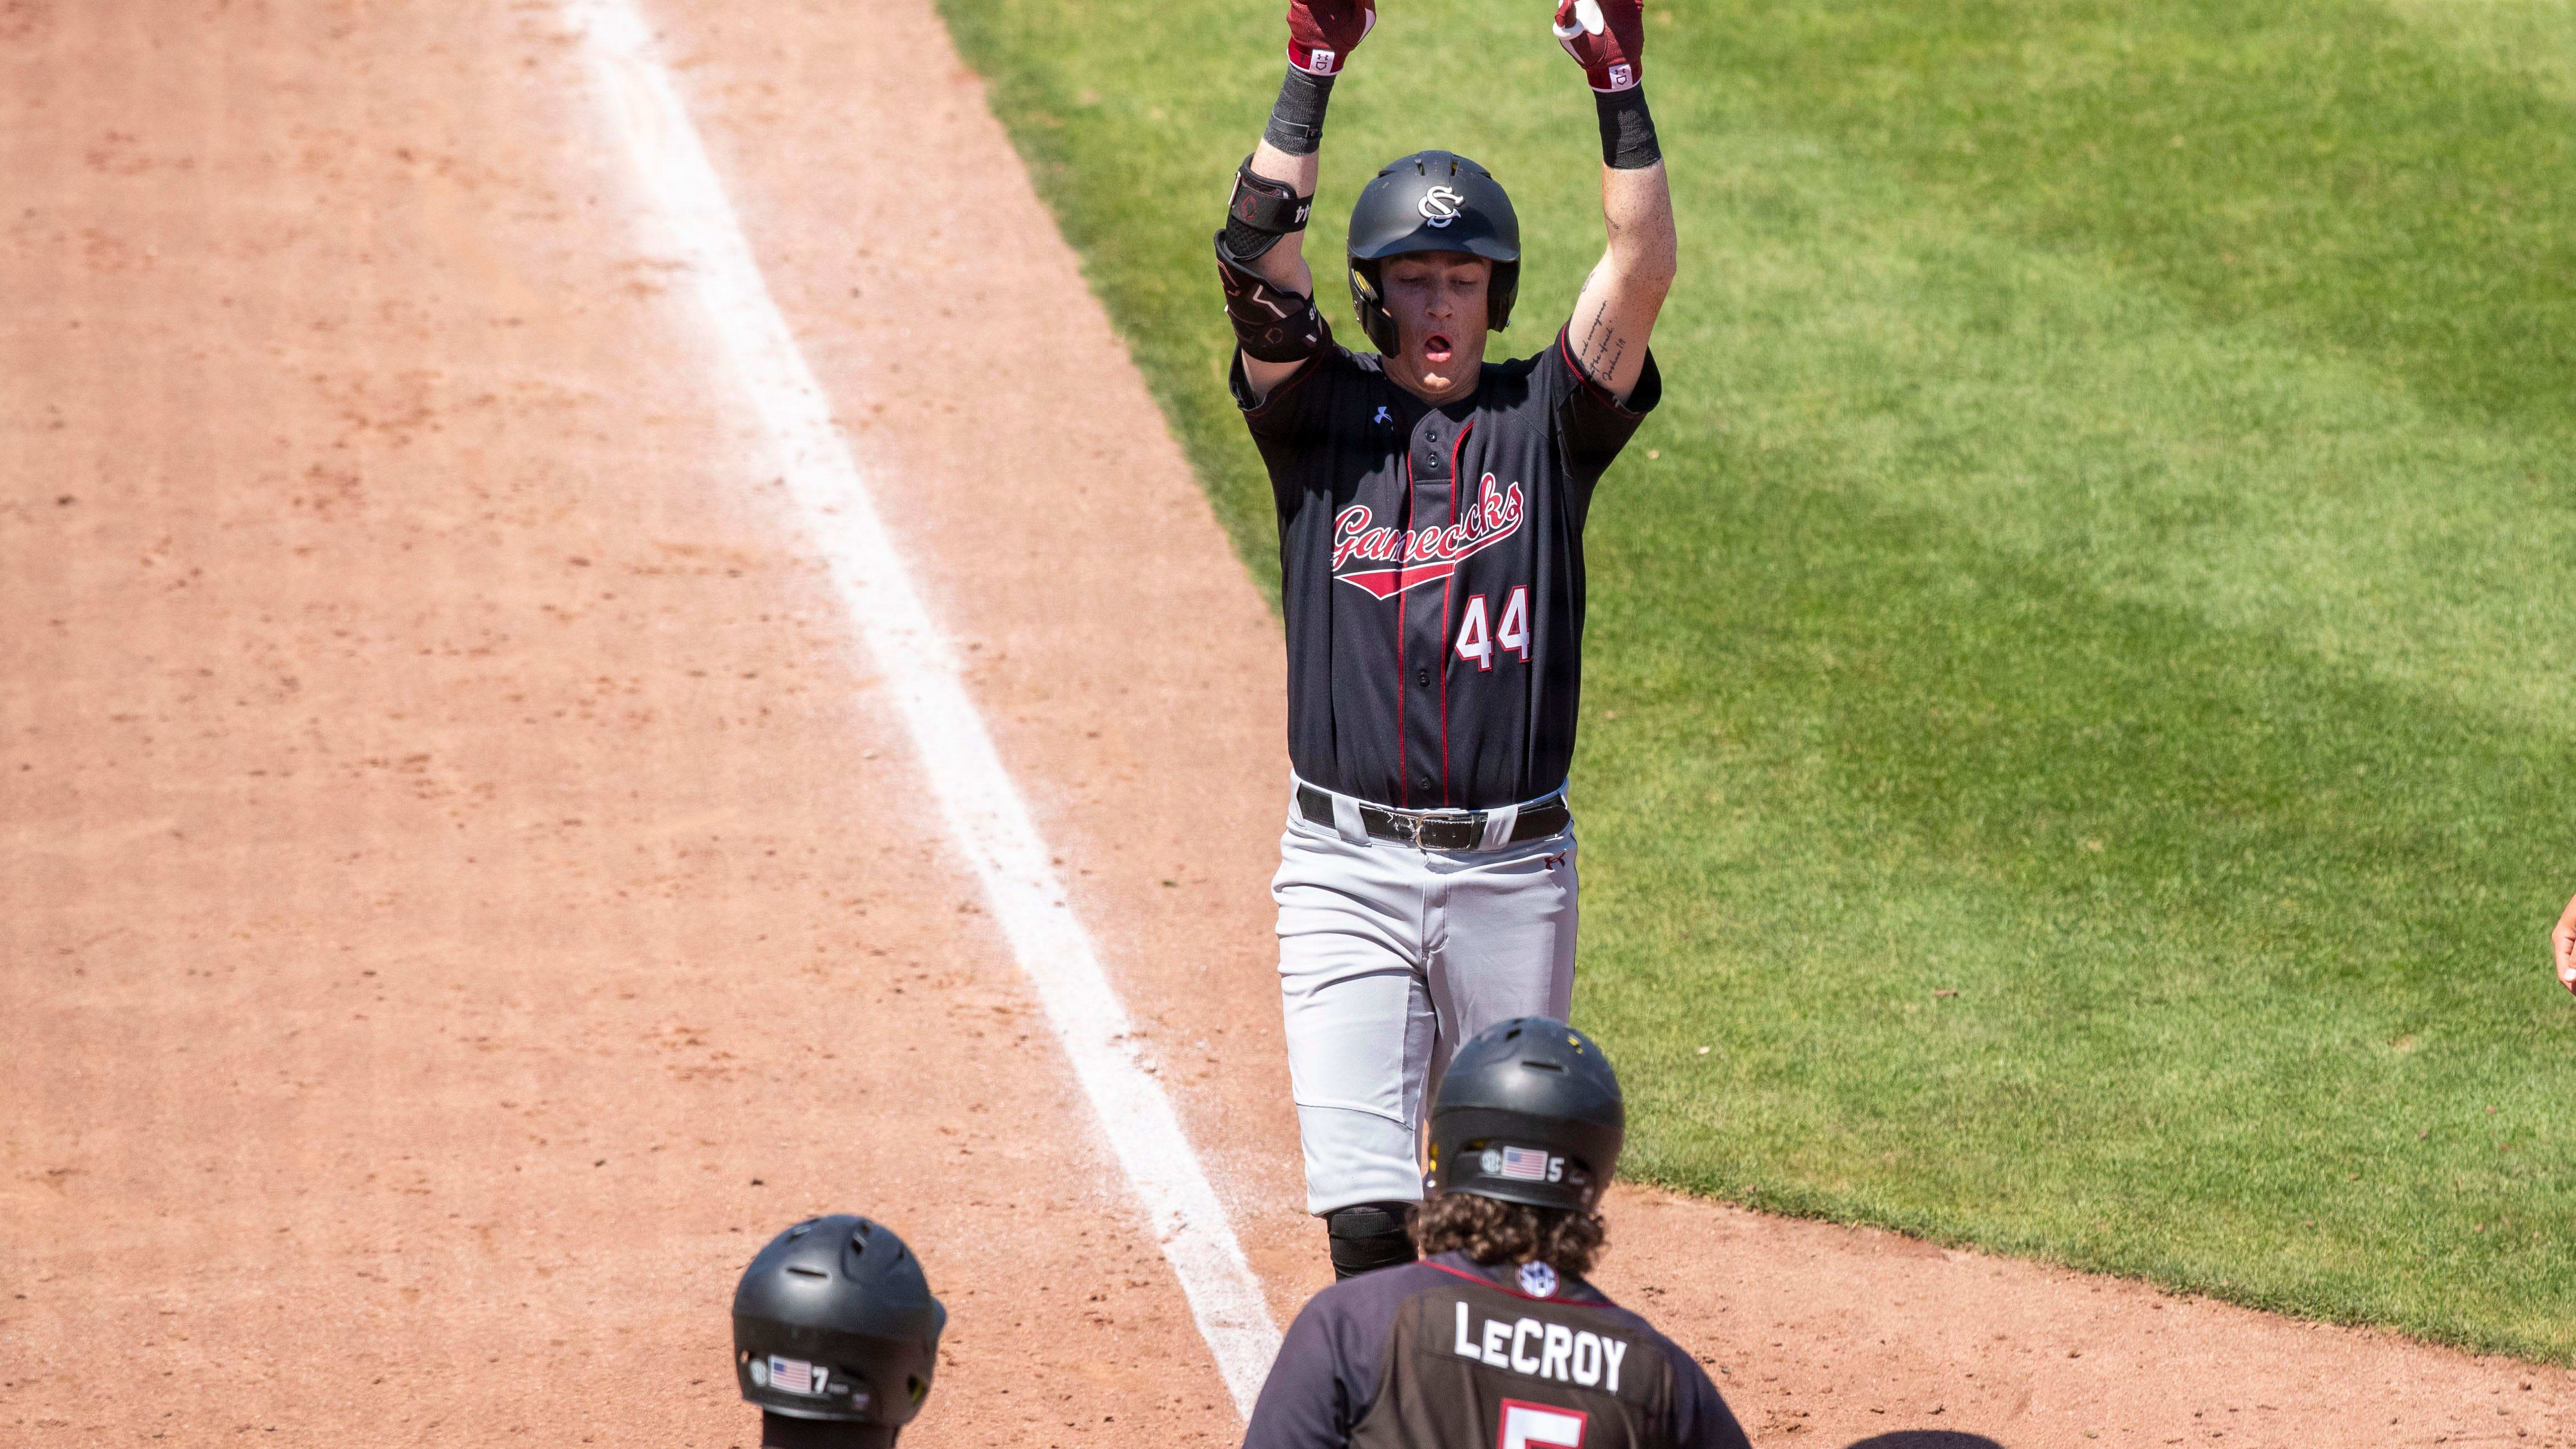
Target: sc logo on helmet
[(1439, 205)]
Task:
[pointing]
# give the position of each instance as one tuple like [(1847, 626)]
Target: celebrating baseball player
[(1495, 1338), (1431, 509)]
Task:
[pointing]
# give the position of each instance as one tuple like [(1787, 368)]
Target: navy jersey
[(1449, 1354), (1431, 571)]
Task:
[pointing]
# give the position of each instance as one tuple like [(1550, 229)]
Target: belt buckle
[(1466, 820)]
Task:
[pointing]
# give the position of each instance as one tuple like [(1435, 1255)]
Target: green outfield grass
[(2077, 751)]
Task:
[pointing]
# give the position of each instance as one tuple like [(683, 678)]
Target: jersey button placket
[(1428, 612), (1426, 620)]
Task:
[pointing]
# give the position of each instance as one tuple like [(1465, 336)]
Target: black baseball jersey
[(1431, 571), (1449, 1354)]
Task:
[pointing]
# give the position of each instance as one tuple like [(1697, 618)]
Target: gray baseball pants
[(1390, 957)]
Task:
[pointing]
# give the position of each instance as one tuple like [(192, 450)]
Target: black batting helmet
[(1528, 1112), (835, 1334), (1432, 201)]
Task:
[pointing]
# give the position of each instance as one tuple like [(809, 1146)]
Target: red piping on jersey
[(1564, 345), (1403, 768), (1444, 687), (1456, 481)]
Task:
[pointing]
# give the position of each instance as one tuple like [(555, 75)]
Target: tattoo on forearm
[(1600, 324), (1602, 346)]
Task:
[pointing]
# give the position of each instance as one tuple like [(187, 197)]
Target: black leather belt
[(1439, 829)]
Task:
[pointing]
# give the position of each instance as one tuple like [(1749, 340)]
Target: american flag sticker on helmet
[(794, 1375), (1524, 1164)]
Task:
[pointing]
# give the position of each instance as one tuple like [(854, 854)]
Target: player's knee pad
[(1370, 1236), (1274, 325)]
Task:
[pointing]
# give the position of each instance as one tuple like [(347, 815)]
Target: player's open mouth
[(1436, 348)]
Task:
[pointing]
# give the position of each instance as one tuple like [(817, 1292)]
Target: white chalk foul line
[(984, 812)]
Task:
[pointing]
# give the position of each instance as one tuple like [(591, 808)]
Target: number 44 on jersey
[(1477, 642)]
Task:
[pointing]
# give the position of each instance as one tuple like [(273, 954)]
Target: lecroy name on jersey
[(1542, 1350)]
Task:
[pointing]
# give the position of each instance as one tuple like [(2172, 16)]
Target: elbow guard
[(1260, 212), (1273, 325)]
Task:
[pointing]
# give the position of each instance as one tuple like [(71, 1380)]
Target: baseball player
[(1431, 508), (835, 1335), (1494, 1338)]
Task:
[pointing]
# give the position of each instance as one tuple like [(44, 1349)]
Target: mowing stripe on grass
[(985, 815)]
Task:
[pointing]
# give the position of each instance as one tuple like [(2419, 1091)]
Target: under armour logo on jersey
[(1384, 418), (1439, 205)]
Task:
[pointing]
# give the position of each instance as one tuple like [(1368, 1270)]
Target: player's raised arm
[(1261, 256), (1615, 313)]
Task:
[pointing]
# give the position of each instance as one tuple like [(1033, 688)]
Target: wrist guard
[(1627, 130), (1271, 324), (1297, 117), (1260, 212)]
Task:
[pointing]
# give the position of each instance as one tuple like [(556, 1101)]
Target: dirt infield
[(463, 886)]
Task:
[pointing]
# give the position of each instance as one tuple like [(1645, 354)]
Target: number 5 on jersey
[(1539, 1426), (1477, 644)]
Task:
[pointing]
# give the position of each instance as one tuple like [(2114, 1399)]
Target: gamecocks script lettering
[(1406, 557)]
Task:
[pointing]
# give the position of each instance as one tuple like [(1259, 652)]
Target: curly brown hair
[(1490, 1230)]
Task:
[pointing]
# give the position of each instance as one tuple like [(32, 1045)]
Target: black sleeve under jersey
[(1591, 425)]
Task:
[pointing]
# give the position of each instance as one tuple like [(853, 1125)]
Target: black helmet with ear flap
[(1432, 201), (836, 1334), (1529, 1112)]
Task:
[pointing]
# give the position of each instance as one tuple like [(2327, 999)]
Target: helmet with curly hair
[(1528, 1112)]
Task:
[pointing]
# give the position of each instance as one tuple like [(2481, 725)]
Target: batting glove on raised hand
[(1323, 33), (1607, 38)]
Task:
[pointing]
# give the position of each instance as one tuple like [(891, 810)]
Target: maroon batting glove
[(1607, 38), (1323, 33)]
